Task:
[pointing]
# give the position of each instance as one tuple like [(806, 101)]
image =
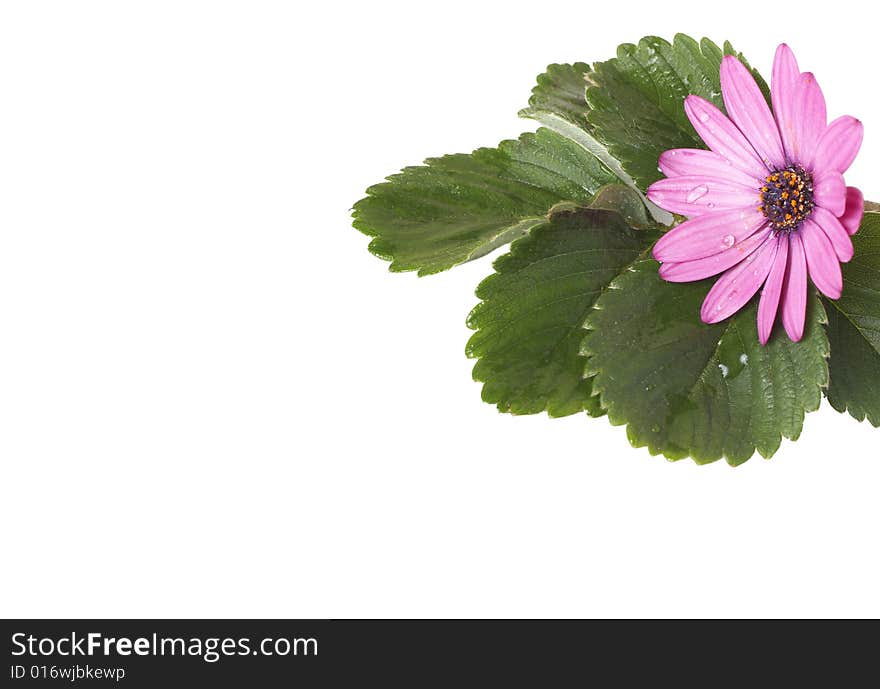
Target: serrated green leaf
[(529, 323), (561, 90), (854, 329), (548, 112), (460, 207), (685, 388), (636, 100)]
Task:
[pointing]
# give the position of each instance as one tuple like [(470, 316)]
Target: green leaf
[(561, 111), (561, 90), (636, 100), (529, 324), (687, 388), (854, 329), (460, 207)]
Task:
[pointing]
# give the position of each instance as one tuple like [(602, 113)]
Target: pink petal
[(839, 144), (697, 161), (722, 136), (783, 91), (708, 234), (747, 108), (701, 268), (793, 302), (855, 209), (822, 262), (739, 284), (836, 233), (769, 303), (810, 119), (696, 194), (829, 191)]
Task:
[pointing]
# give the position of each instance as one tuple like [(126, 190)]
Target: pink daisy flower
[(767, 204)]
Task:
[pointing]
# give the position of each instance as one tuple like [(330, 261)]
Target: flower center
[(787, 198)]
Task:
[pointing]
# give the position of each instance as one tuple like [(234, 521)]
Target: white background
[(215, 402)]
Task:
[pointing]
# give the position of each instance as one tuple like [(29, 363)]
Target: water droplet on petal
[(697, 193), (728, 241), (704, 117)]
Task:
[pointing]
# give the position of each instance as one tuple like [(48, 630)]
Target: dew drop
[(727, 241), (744, 358), (724, 370), (710, 205), (704, 117), (697, 193)]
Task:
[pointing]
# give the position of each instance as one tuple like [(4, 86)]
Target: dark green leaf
[(636, 100), (625, 202), (854, 329), (529, 324), (459, 207), (687, 388), (561, 90)]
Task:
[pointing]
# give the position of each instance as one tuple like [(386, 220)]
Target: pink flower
[(767, 204)]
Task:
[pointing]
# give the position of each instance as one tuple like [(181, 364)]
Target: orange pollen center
[(787, 198)]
